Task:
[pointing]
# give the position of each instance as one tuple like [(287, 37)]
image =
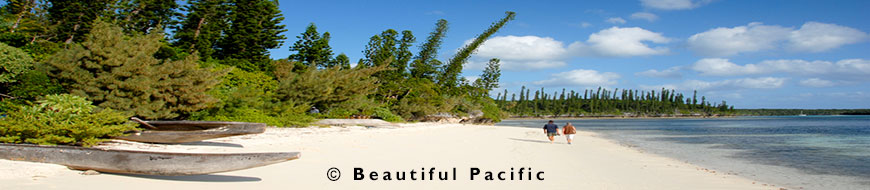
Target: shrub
[(14, 39), (120, 72), (386, 115), (62, 119), (13, 61), (32, 84)]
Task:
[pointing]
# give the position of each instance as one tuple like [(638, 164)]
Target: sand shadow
[(196, 178), (535, 141), (207, 143)]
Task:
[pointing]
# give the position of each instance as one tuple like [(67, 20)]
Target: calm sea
[(810, 152)]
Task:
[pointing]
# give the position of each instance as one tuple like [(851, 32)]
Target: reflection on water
[(830, 152)]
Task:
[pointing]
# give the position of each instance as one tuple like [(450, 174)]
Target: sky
[(753, 54)]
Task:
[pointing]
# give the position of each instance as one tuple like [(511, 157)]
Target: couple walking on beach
[(552, 131)]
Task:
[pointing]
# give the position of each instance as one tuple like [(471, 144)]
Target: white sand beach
[(590, 163)]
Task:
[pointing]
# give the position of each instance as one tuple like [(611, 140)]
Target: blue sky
[(754, 54)]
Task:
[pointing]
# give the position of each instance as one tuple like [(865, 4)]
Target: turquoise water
[(812, 152)]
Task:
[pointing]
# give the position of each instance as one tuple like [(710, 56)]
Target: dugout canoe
[(141, 162), (171, 132)]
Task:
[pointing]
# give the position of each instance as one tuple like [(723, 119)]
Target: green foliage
[(62, 119), (312, 48), (386, 115), (75, 18), (202, 27), (341, 60), (488, 79), (450, 74), (142, 16), (13, 62), (605, 102), (40, 50), (425, 65), (120, 72), (14, 39), (34, 83), (491, 110), (766, 112), (255, 28), (420, 99), (323, 88)]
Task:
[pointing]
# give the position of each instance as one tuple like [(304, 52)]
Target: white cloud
[(615, 20), (585, 25), (471, 79), (731, 41), (847, 68), (673, 4), (731, 84), (521, 48), (723, 67), (755, 36), (533, 52), (818, 37), (645, 16), (673, 72), (522, 52), (581, 77), (816, 82), (621, 42)]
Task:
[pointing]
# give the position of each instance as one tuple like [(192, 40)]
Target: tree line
[(605, 102), (215, 64), (787, 112)]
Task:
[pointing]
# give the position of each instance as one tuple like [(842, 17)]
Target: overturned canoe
[(192, 131), (141, 162)]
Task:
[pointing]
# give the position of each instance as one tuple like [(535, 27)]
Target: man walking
[(552, 130)]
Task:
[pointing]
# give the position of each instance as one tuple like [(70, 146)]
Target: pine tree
[(489, 78), (120, 72), (312, 48), (146, 15), (450, 73), (425, 65), (19, 9), (341, 61), (202, 27), (75, 18), (255, 27)]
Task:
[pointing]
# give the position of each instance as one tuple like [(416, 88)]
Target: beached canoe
[(141, 162), (170, 132)]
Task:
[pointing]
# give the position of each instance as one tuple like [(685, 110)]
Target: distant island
[(628, 103)]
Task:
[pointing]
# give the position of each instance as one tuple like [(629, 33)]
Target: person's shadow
[(196, 178), (534, 141)]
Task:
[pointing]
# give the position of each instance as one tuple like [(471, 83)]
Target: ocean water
[(811, 152)]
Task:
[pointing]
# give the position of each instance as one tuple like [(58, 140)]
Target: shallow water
[(812, 152)]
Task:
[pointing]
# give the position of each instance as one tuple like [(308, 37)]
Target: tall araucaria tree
[(75, 18), (489, 78), (449, 77), (312, 48), (202, 27), (255, 27), (120, 72), (145, 15), (425, 66)]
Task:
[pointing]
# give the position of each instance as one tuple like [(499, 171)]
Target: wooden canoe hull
[(170, 132), (141, 162)]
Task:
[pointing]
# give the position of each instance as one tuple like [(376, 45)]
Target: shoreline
[(593, 162), (619, 117)]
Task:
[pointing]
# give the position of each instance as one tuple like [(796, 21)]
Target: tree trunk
[(26, 9), (196, 34), (14, 26)]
